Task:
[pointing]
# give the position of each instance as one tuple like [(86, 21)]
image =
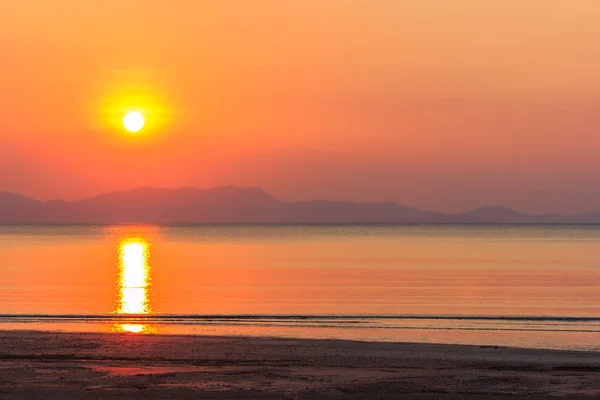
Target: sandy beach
[(119, 365)]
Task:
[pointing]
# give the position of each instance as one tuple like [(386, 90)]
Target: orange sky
[(443, 105)]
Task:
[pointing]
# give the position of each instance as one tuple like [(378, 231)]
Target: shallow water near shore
[(526, 286)]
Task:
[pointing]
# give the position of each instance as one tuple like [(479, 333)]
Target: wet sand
[(45, 365)]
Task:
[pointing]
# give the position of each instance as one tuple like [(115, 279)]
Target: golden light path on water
[(133, 282)]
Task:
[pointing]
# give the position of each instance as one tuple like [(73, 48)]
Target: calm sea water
[(531, 286)]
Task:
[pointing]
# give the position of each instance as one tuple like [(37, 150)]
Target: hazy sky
[(443, 105)]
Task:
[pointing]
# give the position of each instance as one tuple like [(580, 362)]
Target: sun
[(133, 121)]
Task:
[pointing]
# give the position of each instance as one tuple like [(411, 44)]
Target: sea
[(534, 286)]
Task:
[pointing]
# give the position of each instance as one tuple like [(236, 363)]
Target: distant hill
[(231, 204)]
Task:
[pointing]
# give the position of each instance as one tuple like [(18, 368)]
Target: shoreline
[(27, 332), (35, 364)]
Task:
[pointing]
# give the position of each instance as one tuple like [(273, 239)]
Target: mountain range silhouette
[(232, 204)]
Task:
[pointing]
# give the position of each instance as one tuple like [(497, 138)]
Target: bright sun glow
[(133, 121)]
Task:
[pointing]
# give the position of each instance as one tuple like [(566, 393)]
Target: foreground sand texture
[(109, 366)]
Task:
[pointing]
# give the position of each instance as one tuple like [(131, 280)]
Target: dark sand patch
[(111, 366)]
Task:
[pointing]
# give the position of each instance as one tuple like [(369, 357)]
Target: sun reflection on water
[(134, 281), (134, 328)]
